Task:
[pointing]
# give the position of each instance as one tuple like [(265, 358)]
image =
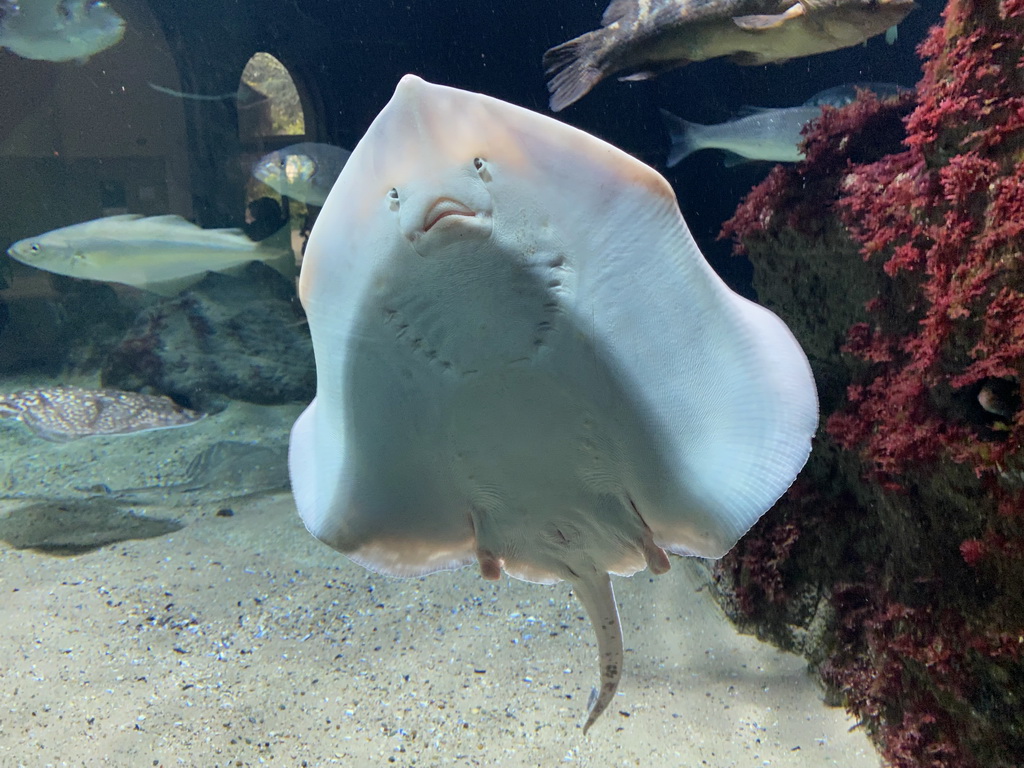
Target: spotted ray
[(68, 413)]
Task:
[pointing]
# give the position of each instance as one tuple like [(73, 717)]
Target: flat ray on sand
[(60, 414), (524, 360), (71, 527)]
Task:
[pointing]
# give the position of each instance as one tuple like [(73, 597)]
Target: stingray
[(226, 470), (60, 414), (523, 360)]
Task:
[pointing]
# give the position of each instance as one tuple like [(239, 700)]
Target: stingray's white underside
[(523, 359)]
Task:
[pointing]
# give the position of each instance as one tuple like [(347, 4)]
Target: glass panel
[(268, 101)]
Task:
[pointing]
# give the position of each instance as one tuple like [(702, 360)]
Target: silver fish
[(64, 30), (841, 95), (764, 134), (770, 134), (304, 172), (163, 254), (643, 38), (61, 414)]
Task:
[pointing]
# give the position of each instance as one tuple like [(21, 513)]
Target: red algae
[(914, 532)]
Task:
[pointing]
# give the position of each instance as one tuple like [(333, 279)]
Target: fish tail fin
[(683, 137), (573, 70), (279, 254)]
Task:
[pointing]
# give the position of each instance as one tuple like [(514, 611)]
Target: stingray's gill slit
[(594, 590)]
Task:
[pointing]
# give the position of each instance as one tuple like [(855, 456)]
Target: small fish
[(304, 172), (770, 134), (644, 38), (58, 30), (764, 134), (229, 96), (60, 414), (999, 397), (841, 95), (162, 254)]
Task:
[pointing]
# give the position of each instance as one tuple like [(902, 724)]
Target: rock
[(229, 337)]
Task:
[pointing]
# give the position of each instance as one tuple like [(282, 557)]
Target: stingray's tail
[(574, 69), (595, 592)]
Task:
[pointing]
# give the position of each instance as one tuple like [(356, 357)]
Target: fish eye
[(478, 163), (35, 248)]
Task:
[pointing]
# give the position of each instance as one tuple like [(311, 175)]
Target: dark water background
[(357, 51)]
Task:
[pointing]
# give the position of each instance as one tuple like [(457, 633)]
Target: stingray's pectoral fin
[(759, 22), (595, 592)]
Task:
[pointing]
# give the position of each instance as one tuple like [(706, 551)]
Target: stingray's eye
[(35, 247), (393, 198), (478, 163)]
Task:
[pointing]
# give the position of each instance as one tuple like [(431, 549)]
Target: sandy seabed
[(239, 640)]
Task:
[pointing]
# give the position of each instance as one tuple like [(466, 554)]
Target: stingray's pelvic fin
[(656, 557), (595, 592), (490, 566)]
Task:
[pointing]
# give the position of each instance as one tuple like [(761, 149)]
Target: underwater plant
[(894, 251)]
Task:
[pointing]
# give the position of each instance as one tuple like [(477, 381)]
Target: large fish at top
[(523, 360), (643, 38), (162, 254)]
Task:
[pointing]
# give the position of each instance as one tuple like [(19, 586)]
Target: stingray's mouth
[(442, 209)]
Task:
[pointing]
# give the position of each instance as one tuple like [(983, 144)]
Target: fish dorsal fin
[(746, 110), (616, 10), (121, 217), (175, 221), (172, 219), (763, 21)]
